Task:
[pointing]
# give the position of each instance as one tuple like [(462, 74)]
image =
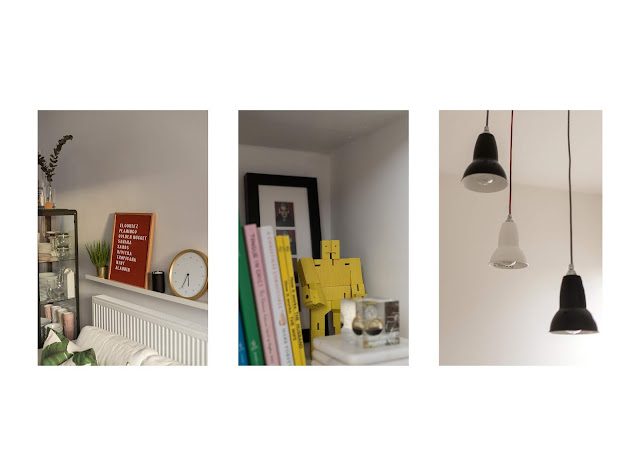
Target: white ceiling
[(307, 130), (540, 156)]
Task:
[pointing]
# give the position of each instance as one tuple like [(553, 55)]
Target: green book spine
[(248, 307)]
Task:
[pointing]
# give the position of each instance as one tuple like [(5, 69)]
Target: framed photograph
[(275, 200), (290, 205)]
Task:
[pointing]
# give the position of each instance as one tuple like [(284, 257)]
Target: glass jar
[(43, 328), (63, 239), (54, 246), (55, 291), (63, 252)]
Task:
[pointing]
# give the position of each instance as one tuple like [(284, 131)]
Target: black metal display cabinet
[(56, 259)]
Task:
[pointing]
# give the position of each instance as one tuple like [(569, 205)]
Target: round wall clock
[(188, 275)]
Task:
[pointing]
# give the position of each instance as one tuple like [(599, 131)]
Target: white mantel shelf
[(163, 296)]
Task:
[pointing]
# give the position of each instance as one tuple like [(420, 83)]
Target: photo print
[(284, 214)]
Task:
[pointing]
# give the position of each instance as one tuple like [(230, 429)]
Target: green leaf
[(86, 357), (99, 252), (56, 359), (56, 347), (50, 351)]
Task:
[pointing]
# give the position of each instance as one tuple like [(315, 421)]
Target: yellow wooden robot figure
[(324, 282)]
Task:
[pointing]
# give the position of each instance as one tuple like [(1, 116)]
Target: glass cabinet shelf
[(58, 228), (63, 301), (47, 258)]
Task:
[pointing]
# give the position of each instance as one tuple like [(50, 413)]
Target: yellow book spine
[(294, 299), (293, 315)]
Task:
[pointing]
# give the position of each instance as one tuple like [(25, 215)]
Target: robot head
[(331, 249)]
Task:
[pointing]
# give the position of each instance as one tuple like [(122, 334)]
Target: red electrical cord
[(510, 160)]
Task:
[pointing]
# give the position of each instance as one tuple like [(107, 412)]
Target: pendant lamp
[(573, 316), (484, 174), (508, 255)]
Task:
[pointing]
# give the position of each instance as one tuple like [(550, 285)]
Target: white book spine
[(266, 235)]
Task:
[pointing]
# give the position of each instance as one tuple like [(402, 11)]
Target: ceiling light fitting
[(484, 174), (508, 255), (573, 316)]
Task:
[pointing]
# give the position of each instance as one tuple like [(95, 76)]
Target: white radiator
[(173, 337)]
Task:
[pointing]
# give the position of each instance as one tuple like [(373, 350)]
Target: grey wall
[(502, 317), (370, 210), (132, 161)]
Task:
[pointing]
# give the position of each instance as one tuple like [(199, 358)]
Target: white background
[(366, 55)]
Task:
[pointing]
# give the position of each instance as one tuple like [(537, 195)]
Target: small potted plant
[(49, 170), (99, 253)]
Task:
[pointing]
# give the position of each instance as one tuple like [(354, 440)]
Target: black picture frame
[(252, 182), (252, 201)]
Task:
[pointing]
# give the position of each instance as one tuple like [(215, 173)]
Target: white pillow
[(58, 350), (112, 349), (159, 360)]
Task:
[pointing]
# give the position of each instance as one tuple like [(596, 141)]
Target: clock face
[(188, 274)]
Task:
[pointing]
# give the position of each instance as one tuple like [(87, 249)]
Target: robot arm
[(357, 284), (312, 294), (357, 290)]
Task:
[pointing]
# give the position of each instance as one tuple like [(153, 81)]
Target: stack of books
[(335, 351), (270, 331)]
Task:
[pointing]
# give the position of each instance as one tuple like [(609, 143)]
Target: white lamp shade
[(508, 256)]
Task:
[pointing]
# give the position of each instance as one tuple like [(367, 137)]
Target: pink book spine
[(261, 296)]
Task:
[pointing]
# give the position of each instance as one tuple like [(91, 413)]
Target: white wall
[(132, 161), (501, 317), (370, 210), (284, 162)]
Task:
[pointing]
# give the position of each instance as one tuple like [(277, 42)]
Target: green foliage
[(50, 169), (99, 252), (56, 353), (86, 357)]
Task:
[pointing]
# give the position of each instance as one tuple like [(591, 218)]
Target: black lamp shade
[(484, 174), (573, 316)]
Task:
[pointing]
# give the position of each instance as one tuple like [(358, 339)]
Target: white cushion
[(159, 360), (61, 351), (112, 349)]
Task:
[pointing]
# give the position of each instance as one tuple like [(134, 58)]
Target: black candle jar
[(157, 281)]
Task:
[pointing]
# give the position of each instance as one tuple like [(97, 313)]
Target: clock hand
[(185, 280)]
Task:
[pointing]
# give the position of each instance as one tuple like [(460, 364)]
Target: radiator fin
[(175, 338)]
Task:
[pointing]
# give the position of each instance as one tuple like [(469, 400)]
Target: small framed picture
[(284, 214), (286, 203), (131, 245)]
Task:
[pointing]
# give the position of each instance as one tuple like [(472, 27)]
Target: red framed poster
[(131, 248)]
